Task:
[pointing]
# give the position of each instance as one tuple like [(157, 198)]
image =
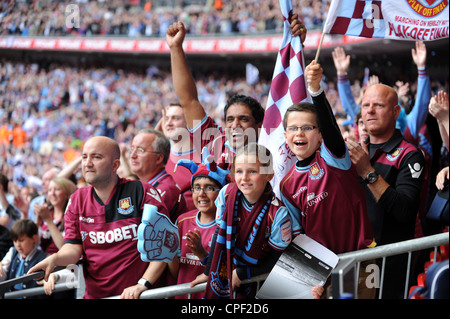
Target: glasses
[(140, 151), (206, 189), (304, 128)]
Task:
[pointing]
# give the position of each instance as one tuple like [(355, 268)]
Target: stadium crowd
[(49, 111), (134, 19)]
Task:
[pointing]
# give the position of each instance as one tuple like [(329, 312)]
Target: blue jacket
[(37, 256)]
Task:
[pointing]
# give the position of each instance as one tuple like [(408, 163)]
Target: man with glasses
[(149, 153), (322, 190)]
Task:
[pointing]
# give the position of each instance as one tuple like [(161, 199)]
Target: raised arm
[(439, 108), (331, 133), (183, 81), (418, 115), (342, 63)]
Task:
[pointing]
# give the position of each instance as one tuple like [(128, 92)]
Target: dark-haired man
[(243, 114)]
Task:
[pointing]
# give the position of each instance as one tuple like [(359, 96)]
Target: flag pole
[(320, 45)]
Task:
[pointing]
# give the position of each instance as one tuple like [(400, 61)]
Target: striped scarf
[(252, 233)]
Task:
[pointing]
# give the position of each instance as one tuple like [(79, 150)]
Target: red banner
[(255, 44)]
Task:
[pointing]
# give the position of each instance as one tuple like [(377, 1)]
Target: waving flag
[(288, 87), (418, 20)]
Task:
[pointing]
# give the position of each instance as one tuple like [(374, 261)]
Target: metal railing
[(26, 292), (357, 257), (384, 251)]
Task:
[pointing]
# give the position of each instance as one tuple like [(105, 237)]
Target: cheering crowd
[(132, 19), (90, 135)]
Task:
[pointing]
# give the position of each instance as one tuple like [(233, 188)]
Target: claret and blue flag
[(287, 88)]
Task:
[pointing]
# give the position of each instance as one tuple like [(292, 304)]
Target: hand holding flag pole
[(320, 45)]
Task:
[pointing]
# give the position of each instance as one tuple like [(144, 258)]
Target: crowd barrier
[(352, 258)]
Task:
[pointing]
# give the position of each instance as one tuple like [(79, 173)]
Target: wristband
[(145, 282), (205, 260)]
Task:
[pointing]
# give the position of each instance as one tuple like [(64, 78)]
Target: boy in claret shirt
[(322, 190), (196, 227)]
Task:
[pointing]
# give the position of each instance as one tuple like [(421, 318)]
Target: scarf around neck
[(252, 233)]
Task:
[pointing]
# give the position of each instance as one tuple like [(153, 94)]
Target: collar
[(305, 162), (202, 225), (157, 176), (30, 255), (247, 205), (392, 143), (186, 152), (227, 144)]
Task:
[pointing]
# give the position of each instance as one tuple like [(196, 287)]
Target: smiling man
[(243, 114)]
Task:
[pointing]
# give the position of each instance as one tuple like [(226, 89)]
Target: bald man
[(101, 225), (392, 173)]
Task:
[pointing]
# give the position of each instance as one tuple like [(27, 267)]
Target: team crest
[(428, 8), (393, 156), (125, 206), (315, 172), (219, 283)]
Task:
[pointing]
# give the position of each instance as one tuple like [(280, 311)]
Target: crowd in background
[(151, 18), (46, 114)]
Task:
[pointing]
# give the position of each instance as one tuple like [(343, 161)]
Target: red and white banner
[(288, 87), (248, 44), (418, 20)]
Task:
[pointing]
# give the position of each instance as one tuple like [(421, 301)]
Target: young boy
[(321, 190), (25, 253), (196, 227)]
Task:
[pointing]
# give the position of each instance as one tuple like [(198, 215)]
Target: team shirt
[(170, 193), (108, 235), (327, 203), (46, 242), (402, 165), (190, 265)]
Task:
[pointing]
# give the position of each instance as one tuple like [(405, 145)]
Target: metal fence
[(356, 257)]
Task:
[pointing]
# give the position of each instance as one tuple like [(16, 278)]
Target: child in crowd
[(254, 227), (322, 190), (23, 255), (196, 227)]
